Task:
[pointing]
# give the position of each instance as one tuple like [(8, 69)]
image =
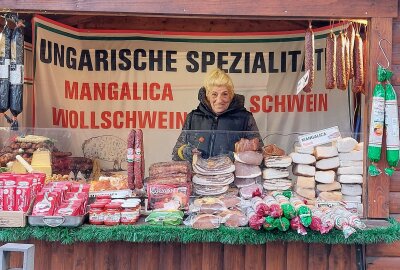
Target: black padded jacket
[(216, 134)]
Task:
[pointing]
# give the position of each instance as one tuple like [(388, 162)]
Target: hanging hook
[(383, 52)]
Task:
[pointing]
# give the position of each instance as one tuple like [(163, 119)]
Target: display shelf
[(150, 233)]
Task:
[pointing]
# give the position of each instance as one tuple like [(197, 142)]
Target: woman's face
[(219, 99)]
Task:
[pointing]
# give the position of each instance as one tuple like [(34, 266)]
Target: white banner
[(104, 83)]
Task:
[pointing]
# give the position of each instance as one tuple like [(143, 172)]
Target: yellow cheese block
[(17, 167), (44, 169), (41, 158)]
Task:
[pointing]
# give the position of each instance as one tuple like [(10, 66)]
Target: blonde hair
[(218, 77)]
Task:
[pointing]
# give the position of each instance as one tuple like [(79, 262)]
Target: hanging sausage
[(392, 126), (5, 42), (330, 61), (377, 123), (309, 58), (17, 73), (358, 82), (341, 76), (351, 36)]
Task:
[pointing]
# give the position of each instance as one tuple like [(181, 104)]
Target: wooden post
[(378, 186)]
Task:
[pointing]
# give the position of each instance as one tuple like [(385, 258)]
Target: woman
[(218, 123)]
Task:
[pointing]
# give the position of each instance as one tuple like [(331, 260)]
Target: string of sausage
[(341, 76), (351, 35), (129, 159), (138, 161), (330, 63), (5, 51), (309, 58), (17, 74), (358, 65)]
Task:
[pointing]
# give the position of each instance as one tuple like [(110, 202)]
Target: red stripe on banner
[(173, 33)]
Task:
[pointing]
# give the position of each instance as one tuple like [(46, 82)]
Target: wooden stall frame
[(379, 14)]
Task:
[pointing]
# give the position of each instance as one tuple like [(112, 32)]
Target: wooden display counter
[(156, 247), (124, 255)]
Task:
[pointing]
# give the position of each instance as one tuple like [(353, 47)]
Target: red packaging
[(160, 194), (44, 205), (69, 209), (23, 193), (41, 180), (9, 194), (1, 193), (80, 188)]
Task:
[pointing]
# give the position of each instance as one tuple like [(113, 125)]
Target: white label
[(319, 137), (16, 74), (4, 68), (392, 125), (377, 118), (303, 82)]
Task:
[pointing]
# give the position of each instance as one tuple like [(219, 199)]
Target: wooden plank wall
[(175, 256), (387, 256)]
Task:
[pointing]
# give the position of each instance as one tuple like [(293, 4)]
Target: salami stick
[(347, 57), (351, 36), (340, 62), (129, 159), (309, 58), (392, 127), (5, 43), (17, 73), (138, 161), (358, 65), (330, 61)]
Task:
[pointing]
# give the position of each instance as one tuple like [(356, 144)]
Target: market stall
[(222, 247)]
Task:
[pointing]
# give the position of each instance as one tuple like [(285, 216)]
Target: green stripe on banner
[(162, 39)]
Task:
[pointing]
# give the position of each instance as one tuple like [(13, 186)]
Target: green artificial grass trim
[(225, 235)]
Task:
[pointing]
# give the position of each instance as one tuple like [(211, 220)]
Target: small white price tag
[(303, 82), (319, 137)]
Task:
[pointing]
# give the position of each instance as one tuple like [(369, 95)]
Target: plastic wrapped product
[(296, 225), (165, 218), (392, 127), (275, 209), (5, 43), (377, 123)]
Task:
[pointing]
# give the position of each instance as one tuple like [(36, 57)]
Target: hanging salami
[(358, 83), (351, 36), (138, 160), (129, 159), (5, 43), (309, 58), (392, 126), (17, 73), (341, 77), (377, 123), (330, 62)]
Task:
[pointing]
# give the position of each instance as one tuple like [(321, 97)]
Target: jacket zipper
[(212, 141)]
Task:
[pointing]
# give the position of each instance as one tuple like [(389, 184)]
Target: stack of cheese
[(350, 172), (328, 189), (304, 170), (276, 173)]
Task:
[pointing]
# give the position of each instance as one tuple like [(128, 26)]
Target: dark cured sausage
[(5, 43), (330, 61), (340, 62), (309, 58), (138, 161), (358, 65), (17, 73), (347, 57), (351, 34), (130, 158)]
